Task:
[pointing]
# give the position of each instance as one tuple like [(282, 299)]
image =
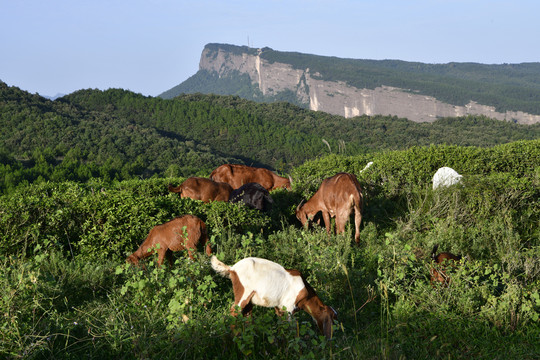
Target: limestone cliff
[(337, 97)]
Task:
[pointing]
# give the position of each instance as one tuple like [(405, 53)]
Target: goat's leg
[(245, 305), (357, 220), (340, 223), (161, 255), (327, 222)]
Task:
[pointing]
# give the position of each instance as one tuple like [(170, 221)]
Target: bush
[(69, 294)]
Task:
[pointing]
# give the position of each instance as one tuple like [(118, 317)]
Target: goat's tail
[(434, 252), (219, 267)]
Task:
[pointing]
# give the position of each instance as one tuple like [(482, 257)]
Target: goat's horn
[(300, 205)]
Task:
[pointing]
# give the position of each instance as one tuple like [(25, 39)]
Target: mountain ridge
[(350, 87)]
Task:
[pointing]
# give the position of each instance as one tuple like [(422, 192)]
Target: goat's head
[(437, 271), (132, 259), (301, 213), (325, 317), (288, 185), (173, 189)]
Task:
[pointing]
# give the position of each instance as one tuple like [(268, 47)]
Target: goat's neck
[(311, 304)]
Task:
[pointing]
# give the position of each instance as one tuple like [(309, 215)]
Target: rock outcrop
[(336, 97)]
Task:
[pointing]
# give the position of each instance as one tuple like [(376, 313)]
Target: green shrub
[(69, 294)]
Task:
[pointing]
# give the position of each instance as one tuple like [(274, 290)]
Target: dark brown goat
[(437, 272), (198, 188), (184, 232), (237, 175), (337, 197)]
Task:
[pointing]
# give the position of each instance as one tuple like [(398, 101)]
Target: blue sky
[(60, 46)]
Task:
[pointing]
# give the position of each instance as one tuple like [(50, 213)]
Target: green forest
[(84, 180), (507, 87), (119, 135)]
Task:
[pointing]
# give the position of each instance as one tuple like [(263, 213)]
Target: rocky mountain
[(347, 87)]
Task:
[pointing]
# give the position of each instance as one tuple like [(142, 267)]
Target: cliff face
[(337, 97)]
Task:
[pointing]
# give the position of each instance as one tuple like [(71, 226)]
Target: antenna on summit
[(248, 40)]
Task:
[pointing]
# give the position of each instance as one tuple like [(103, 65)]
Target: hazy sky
[(60, 46)]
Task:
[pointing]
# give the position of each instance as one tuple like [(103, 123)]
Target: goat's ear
[(327, 326)]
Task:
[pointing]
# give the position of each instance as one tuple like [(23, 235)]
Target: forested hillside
[(116, 134), (60, 140), (506, 87)]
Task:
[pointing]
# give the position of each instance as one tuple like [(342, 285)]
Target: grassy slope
[(71, 296)]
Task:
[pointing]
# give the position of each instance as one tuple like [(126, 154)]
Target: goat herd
[(259, 281)]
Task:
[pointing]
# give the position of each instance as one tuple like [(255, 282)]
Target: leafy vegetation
[(69, 294), (507, 87), (119, 135)]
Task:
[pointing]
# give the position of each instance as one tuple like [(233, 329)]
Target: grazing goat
[(237, 175), (265, 283), (184, 232), (441, 261), (198, 188), (253, 195), (337, 197), (446, 176)]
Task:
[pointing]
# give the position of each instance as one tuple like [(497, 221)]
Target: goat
[(446, 176), (337, 197), (203, 189), (253, 195), (237, 175), (184, 232), (265, 283), (441, 261)]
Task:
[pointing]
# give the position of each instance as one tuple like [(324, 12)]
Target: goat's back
[(237, 175), (198, 188), (273, 284), (340, 190), (181, 232)]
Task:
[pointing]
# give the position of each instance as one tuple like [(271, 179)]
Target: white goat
[(446, 176), (266, 283)]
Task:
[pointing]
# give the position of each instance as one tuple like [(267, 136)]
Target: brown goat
[(437, 272), (237, 175), (184, 232), (337, 197), (198, 188)]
